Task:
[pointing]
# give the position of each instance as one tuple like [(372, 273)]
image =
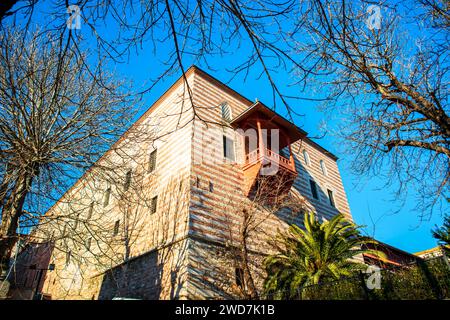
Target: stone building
[(185, 204)]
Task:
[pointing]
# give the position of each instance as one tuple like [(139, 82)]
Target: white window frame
[(323, 167), (317, 189), (306, 157), (226, 105), (233, 146), (334, 197)]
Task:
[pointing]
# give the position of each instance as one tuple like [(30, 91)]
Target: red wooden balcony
[(262, 165), (268, 156)]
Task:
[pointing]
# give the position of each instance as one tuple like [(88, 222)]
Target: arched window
[(226, 111), (323, 167), (306, 157)]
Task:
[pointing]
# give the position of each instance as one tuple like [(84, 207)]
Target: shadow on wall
[(212, 272), (155, 274), (29, 273), (139, 278), (301, 193), (322, 202), (151, 276)]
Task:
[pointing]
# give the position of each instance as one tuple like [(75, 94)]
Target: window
[(228, 148), (323, 167), (75, 223), (211, 186), (239, 277), (314, 189), (153, 205), (88, 243), (197, 182), (90, 211), (127, 183), (116, 227), (306, 157), (152, 161), (68, 256), (331, 197), (226, 111), (106, 196)]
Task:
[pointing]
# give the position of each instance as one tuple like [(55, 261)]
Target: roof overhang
[(259, 110)]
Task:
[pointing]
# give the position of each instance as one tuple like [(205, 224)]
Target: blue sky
[(370, 202)]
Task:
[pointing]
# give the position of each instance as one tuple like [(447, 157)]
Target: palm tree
[(442, 235), (321, 252)]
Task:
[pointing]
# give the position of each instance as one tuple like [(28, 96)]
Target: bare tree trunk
[(11, 213), (251, 291), (7, 178)]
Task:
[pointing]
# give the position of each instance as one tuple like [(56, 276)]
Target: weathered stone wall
[(212, 271), (159, 274)]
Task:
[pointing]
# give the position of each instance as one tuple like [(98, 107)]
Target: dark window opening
[(116, 227), (68, 256), (331, 198), (90, 211), (211, 187), (107, 196), (75, 224), (239, 277), (88, 243), (153, 204), (314, 189), (152, 161), (127, 183)]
